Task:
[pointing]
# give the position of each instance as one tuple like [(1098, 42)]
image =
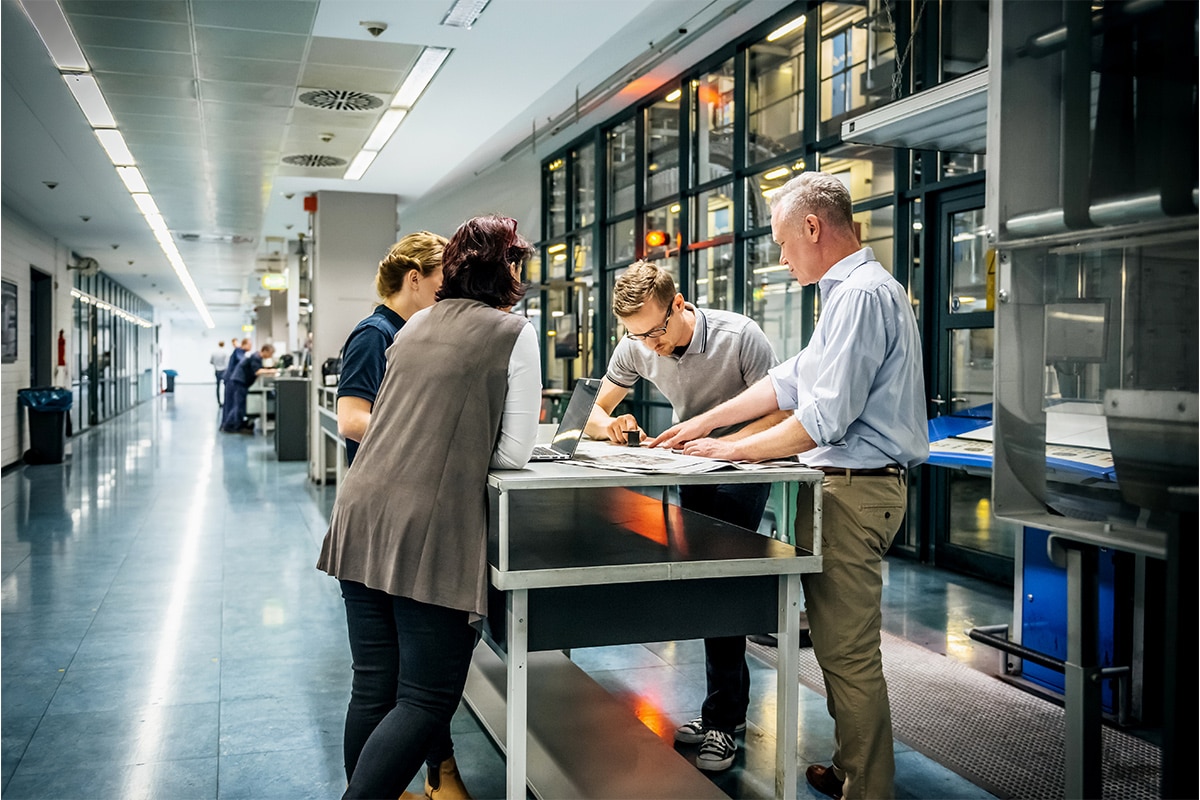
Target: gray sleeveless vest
[(410, 517)]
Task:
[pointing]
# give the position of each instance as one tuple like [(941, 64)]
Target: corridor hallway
[(166, 635)]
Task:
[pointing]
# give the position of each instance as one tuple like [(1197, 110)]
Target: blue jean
[(410, 667), (726, 671)]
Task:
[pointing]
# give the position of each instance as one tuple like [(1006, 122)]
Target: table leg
[(1081, 672), (516, 706), (787, 528), (339, 469), (787, 691), (502, 531)]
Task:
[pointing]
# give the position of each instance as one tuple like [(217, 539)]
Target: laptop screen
[(574, 419)]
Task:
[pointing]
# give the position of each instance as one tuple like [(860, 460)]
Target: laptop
[(570, 429)]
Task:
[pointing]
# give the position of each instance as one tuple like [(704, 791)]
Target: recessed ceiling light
[(464, 13)]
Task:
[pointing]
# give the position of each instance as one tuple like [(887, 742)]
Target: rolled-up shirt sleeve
[(784, 378), (522, 404)]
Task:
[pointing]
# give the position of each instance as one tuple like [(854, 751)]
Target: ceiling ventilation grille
[(340, 100), (314, 161)]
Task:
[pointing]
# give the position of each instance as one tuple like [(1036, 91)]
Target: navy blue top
[(364, 358), (235, 358), (246, 369)]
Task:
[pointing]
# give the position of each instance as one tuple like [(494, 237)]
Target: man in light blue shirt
[(857, 397)]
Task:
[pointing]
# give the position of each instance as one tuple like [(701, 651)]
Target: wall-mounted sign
[(274, 281), (9, 324)]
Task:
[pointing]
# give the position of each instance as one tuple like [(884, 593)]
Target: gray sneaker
[(717, 752), (693, 732)]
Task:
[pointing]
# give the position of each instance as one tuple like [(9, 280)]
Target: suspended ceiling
[(216, 101)]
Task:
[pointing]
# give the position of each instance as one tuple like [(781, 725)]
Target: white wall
[(23, 245), (186, 348), (512, 189)]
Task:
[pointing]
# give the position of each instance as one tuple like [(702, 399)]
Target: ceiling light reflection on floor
[(171, 635)]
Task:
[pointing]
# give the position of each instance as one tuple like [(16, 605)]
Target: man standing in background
[(219, 360)]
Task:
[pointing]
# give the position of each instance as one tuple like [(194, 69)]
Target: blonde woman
[(407, 281)]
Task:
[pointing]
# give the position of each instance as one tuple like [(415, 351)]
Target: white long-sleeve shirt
[(522, 404)]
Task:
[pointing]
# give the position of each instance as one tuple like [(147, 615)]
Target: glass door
[(966, 536)]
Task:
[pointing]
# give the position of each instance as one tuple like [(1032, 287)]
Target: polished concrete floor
[(165, 634)]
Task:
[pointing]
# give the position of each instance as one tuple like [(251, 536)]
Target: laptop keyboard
[(546, 453)]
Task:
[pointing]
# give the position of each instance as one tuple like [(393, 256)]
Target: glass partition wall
[(114, 341), (685, 176)]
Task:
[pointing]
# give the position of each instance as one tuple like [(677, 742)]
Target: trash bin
[(48, 407), (170, 374)]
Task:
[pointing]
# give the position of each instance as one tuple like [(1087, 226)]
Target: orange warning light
[(656, 238)]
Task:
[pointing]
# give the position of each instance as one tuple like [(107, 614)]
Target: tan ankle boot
[(449, 783)]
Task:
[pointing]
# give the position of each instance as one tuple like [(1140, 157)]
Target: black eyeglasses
[(654, 333)]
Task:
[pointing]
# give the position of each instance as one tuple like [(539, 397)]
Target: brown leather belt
[(878, 472)]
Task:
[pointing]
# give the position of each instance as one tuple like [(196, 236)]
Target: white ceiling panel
[(116, 83), (256, 94), (162, 10), (283, 16), (223, 42), (249, 70), (132, 34), (141, 62), (375, 81), (149, 105), (149, 123), (219, 113)]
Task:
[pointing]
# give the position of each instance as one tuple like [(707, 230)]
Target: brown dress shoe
[(824, 780), (449, 785)]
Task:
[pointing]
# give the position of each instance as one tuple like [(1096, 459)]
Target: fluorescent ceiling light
[(158, 224), (386, 126), (556, 248), (114, 144), (428, 63), (359, 165), (784, 30), (673, 96), (464, 13), (132, 176), (52, 26), (146, 204), (777, 173), (87, 94)]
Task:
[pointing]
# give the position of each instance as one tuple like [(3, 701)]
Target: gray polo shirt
[(727, 354)]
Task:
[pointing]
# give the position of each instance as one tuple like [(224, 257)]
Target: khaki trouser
[(860, 517)]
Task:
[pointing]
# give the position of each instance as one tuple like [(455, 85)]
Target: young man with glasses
[(698, 359)]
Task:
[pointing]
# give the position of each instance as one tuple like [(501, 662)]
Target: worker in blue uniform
[(243, 376)]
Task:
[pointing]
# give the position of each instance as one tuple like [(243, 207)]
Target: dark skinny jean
[(725, 667), (410, 667)]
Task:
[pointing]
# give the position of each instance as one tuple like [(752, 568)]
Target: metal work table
[(579, 559), (330, 446)]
